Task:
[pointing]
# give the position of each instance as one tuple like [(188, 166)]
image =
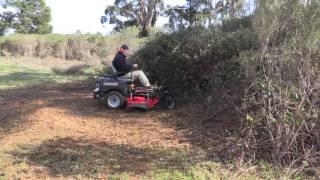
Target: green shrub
[(234, 24), (190, 60)]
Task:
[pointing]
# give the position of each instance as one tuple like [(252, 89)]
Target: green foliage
[(204, 13), (28, 17), (192, 14), (234, 24), (6, 18), (142, 14), (277, 21), (193, 59)]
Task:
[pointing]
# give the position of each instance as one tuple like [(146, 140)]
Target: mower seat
[(117, 75)]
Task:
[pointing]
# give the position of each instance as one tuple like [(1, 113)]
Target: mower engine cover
[(106, 84)]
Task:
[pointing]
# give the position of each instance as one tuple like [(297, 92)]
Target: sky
[(68, 16)]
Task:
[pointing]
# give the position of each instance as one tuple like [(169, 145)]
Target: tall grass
[(69, 47)]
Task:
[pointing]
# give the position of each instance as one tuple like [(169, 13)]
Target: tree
[(26, 16), (202, 13), (3, 3), (229, 9), (191, 14), (6, 19), (208, 12), (177, 17), (141, 13)]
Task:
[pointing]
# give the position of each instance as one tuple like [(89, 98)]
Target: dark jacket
[(121, 64)]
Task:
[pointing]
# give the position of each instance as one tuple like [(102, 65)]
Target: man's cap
[(124, 46)]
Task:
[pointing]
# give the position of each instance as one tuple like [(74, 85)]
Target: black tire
[(114, 100), (169, 103)]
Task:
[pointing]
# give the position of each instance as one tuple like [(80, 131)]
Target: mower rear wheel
[(114, 100)]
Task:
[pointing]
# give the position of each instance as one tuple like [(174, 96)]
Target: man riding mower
[(121, 89)]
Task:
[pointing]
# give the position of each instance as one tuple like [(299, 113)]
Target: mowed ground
[(51, 128)]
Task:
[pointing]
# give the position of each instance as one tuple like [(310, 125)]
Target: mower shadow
[(69, 157)]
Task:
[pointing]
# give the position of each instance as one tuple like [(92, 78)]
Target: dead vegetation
[(281, 107)]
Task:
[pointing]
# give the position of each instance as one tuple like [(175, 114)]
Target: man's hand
[(135, 65)]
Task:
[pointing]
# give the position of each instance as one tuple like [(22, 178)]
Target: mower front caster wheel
[(114, 100), (169, 103)]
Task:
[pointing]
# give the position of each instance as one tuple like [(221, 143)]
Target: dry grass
[(71, 47)]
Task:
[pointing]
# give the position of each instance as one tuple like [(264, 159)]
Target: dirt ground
[(58, 130)]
